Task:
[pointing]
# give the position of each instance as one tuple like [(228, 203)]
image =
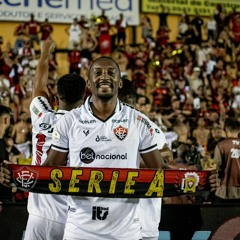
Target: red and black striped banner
[(108, 182)]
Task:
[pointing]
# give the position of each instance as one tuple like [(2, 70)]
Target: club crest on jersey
[(25, 177), (120, 132)]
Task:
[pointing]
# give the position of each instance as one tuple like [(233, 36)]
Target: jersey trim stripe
[(149, 148), (60, 148), (59, 113), (44, 105)]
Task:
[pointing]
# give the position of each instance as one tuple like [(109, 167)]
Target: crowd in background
[(188, 87)]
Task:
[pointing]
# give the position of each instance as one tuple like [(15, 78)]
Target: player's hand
[(47, 48), (214, 181), (5, 174)]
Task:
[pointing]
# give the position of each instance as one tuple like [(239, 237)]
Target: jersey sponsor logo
[(146, 122), (120, 120), (120, 132), (45, 126), (25, 177), (87, 155), (87, 122), (86, 132), (56, 136), (71, 209), (99, 213), (157, 130), (102, 139)]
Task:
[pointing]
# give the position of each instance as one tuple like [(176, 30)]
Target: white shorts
[(24, 148), (43, 229)]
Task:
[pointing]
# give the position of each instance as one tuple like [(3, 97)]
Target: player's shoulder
[(73, 115), (136, 115), (40, 104), (129, 109), (41, 110)]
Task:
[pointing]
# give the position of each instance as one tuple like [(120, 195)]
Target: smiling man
[(123, 133)]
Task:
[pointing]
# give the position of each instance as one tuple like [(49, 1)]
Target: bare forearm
[(41, 76)]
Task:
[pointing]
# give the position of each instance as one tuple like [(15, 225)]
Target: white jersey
[(52, 207), (113, 143), (150, 208), (75, 32)]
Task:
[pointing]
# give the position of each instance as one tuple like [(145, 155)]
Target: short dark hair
[(103, 58), (232, 125), (127, 91), (71, 88), (5, 110)]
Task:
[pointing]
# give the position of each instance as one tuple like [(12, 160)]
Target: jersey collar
[(89, 100)]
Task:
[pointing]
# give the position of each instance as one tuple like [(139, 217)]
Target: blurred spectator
[(182, 26), (195, 80), (83, 22), (169, 117), (32, 30), (46, 30), (21, 135), (191, 34), (163, 23), (217, 134), (74, 59), (122, 60), (20, 34), (197, 22), (104, 39), (26, 53), (5, 95), (88, 44), (14, 153), (227, 158), (211, 27), (146, 27), (5, 192), (74, 32), (121, 25), (182, 129), (201, 134)]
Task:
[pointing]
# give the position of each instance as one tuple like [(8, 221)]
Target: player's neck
[(68, 107), (103, 110)]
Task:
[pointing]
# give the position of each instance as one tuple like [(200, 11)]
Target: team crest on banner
[(190, 182), (120, 132), (25, 177)]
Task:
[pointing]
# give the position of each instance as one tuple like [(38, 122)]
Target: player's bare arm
[(56, 158), (41, 76), (153, 159)]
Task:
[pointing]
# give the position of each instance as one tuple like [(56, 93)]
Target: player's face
[(104, 79)]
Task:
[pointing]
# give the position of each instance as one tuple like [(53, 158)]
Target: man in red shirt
[(74, 57), (32, 30), (46, 30)]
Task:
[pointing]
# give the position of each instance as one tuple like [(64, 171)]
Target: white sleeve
[(159, 135), (146, 132), (60, 136), (39, 107)]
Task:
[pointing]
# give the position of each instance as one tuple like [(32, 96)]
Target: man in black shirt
[(5, 193)]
